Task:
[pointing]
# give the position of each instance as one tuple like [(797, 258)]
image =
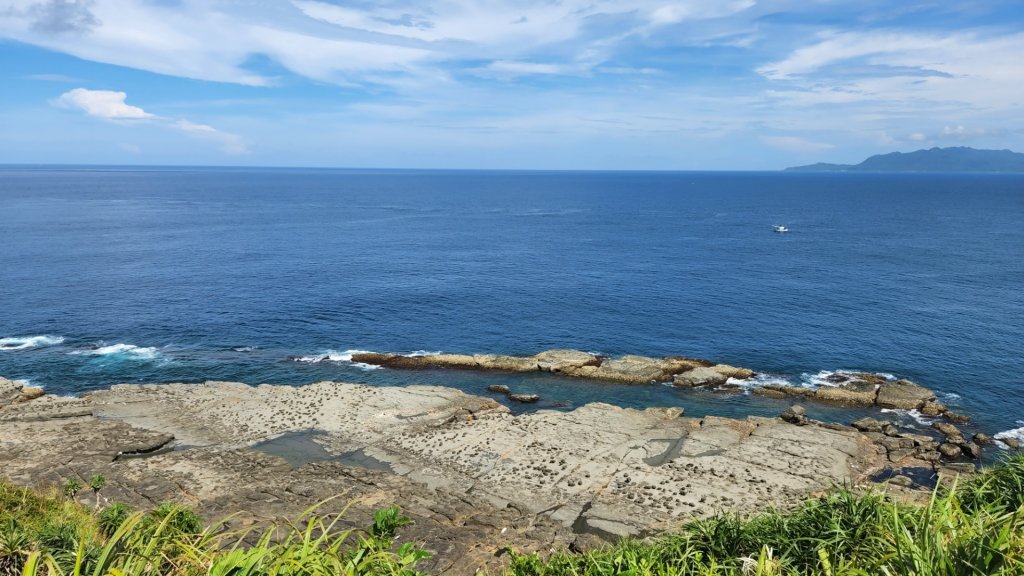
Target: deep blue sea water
[(149, 275)]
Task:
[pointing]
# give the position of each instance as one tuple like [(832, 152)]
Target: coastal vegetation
[(973, 527)]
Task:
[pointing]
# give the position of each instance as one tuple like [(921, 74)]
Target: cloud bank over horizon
[(693, 84)]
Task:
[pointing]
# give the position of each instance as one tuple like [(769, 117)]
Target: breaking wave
[(1014, 434), (335, 356), (26, 342), (122, 351)]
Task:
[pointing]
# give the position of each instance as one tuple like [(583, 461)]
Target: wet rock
[(697, 377), (783, 391), (950, 450), (956, 417), (982, 439), (562, 360), (795, 414), (1010, 442), (855, 393), (952, 433), (932, 409), (499, 389), (890, 430), (868, 424), (971, 449), (901, 481), (733, 372), (524, 398), (903, 395)]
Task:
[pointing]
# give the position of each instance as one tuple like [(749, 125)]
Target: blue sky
[(555, 84)]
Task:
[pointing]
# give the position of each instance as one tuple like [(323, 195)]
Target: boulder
[(795, 414), (868, 424), (524, 398), (982, 439), (30, 393), (561, 360), (699, 376), (903, 395), (971, 449), (949, 450), (903, 481), (498, 389), (628, 370), (1010, 442), (855, 393), (948, 430), (956, 417), (733, 372), (932, 409)]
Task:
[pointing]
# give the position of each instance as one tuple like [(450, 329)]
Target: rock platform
[(475, 478)]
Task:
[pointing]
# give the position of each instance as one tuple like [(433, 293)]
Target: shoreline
[(541, 479)]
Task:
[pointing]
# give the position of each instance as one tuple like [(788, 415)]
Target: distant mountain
[(959, 159)]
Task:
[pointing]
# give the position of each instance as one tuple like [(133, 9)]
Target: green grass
[(975, 527)]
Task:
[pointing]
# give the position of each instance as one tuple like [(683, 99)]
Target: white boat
[(780, 228)]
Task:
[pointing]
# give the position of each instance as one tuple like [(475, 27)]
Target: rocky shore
[(852, 389), (475, 478)]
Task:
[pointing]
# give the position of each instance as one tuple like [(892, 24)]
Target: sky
[(506, 84)]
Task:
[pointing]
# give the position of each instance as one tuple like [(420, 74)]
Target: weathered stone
[(971, 449), (868, 424), (499, 389), (901, 453), (1010, 442), (699, 376), (982, 439), (524, 398), (733, 372), (890, 430), (783, 391), (608, 470), (562, 360), (950, 450), (795, 414), (500, 362), (30, 393), (932, 409), (9, 390), (948, 430), (856, 393), (891, 443), (956, 417), (901, 481), (903, 395)]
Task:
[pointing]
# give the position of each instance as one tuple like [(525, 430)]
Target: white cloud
[(110, 105), (105, 104), (229, 143)]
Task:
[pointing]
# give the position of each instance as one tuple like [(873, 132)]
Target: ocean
[(113, 275)]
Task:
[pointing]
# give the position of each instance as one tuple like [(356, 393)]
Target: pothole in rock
[(299, 448)]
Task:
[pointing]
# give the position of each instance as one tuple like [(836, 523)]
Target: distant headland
[(956, 159)]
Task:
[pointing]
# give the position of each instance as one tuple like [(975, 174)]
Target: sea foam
[(125, 351), (335, 356), (26, 342), (1014, 433)]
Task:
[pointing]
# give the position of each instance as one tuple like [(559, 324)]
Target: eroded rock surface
[(474, 477)]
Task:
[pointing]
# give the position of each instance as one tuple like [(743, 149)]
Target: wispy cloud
[(112, 106)]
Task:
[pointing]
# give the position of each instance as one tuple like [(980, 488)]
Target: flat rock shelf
[(475, 477)]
